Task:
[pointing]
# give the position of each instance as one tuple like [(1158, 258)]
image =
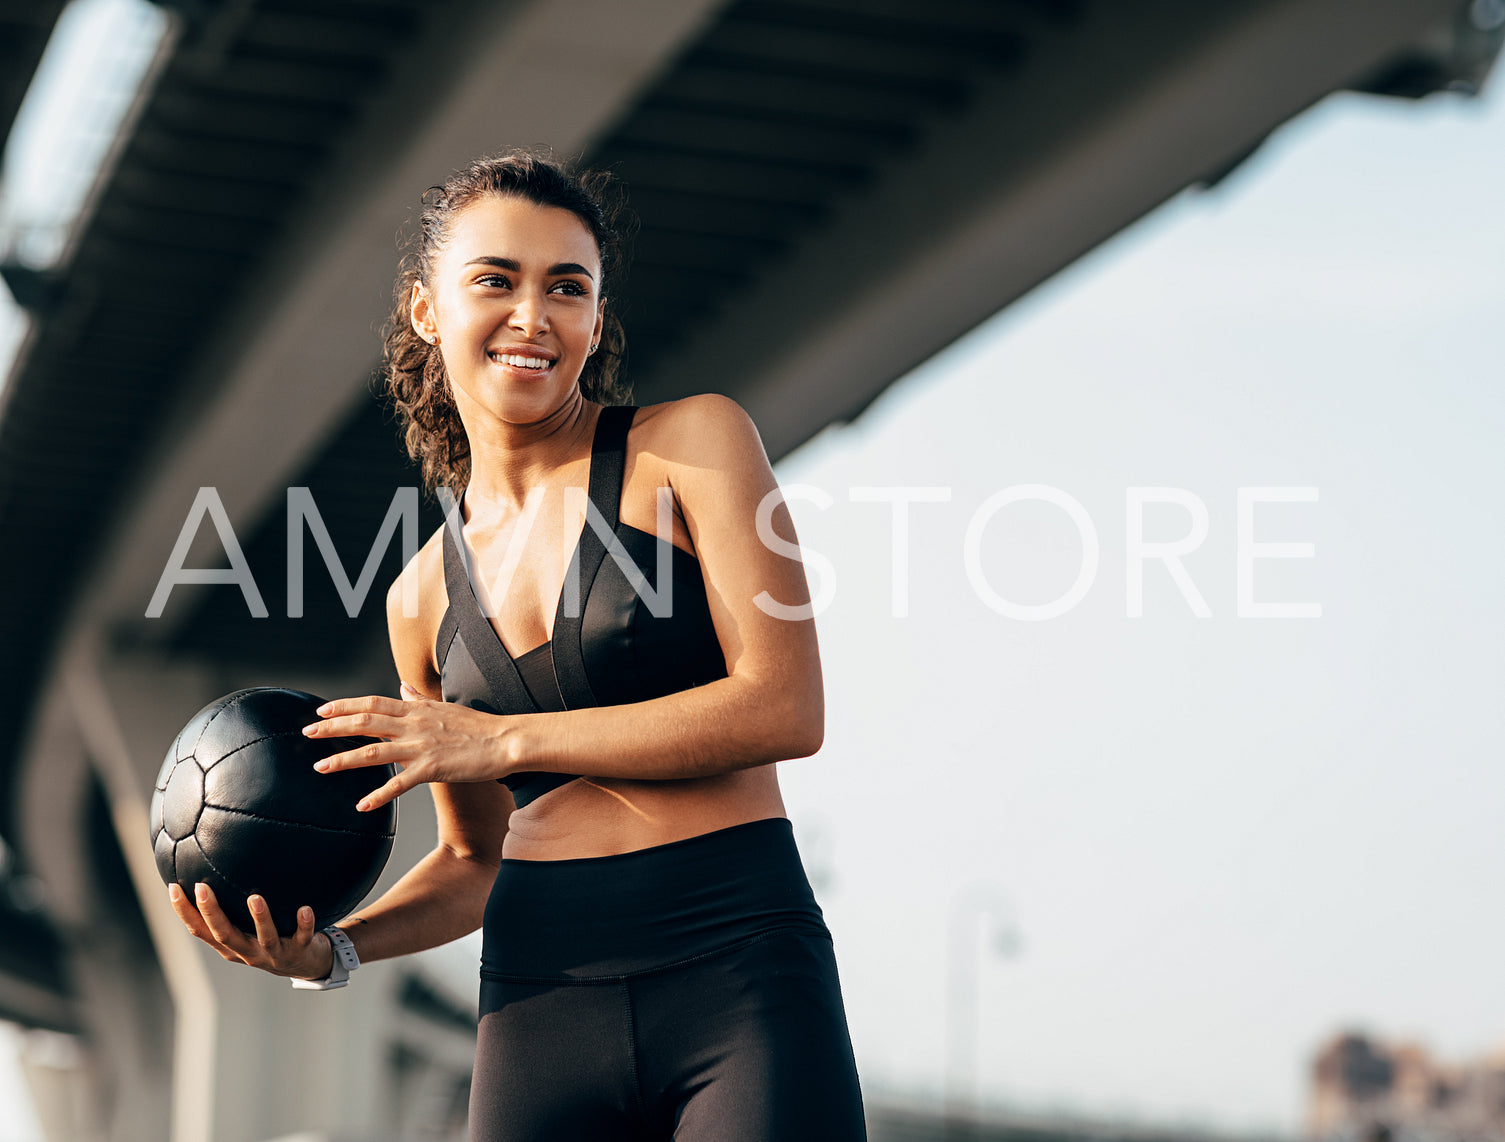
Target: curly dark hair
[(413, 372)]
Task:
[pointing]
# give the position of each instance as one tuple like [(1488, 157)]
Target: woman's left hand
[(426, 740)]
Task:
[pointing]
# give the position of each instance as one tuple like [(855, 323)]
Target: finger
[(358, 722), (305, 939), (188, 913), (305, 931), (393, 789), (219, 924), (266, 931), (369, 704), (372, 753), (358, 725)]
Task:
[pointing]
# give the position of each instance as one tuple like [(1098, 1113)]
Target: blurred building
[(1359, 1083), (197, 221), (920, 1120)]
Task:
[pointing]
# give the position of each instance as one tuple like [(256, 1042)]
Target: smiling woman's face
[(514, 305)]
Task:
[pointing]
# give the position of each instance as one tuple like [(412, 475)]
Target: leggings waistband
[(611, 916)]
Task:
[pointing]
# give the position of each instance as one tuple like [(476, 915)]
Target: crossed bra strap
[(608, 463), (504, 683)]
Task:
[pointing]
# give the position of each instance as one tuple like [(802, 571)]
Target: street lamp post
[(971, 903)]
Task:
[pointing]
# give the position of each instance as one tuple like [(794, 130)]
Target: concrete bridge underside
[(830, 191)]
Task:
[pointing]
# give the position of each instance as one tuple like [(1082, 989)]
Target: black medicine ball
[(239, 806)]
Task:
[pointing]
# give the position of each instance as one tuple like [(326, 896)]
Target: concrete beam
[(1138, 103), (123, 1004), (295, 365), (127, 770)]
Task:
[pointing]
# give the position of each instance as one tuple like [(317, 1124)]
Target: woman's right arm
[(441, 898)]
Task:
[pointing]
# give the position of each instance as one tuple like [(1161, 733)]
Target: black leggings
[(686, 991)]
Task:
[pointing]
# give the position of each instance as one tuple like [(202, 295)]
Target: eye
[(500, 281)]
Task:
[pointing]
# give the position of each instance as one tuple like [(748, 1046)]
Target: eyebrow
[(516, 268)]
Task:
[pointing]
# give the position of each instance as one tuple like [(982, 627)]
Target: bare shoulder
[(707, 430), (416, 602)]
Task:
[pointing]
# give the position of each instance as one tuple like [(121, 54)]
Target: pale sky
[(1223, 838)]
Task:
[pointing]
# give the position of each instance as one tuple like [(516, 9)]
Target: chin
[(528, 404)]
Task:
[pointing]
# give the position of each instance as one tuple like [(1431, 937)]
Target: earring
[(591, 350)]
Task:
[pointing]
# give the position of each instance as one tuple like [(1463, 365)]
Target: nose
[(529, 314)]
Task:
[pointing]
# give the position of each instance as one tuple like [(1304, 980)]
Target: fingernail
[(363, 806), (306, 915), (201, 890), (257, 904), (321, 766), (322, 710), (309, 729), (174, 893)]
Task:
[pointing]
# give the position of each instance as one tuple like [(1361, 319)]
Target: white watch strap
[(345, 961)]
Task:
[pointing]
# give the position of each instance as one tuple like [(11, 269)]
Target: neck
[(508, 460)]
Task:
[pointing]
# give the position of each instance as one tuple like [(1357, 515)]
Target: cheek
[(470, 326), (588, 324), (469, 316)]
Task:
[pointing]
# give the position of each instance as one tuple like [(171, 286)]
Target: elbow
[(810, 744), (481, 861), (804, 730), (780, 719)]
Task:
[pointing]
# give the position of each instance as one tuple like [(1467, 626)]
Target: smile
[(518, 361)]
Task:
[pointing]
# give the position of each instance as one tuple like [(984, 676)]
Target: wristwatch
[(345, 962)]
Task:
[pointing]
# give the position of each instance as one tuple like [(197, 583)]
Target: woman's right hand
[(305, 954)]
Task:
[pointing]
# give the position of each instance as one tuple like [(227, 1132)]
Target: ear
[(421, 314), (600, 322)]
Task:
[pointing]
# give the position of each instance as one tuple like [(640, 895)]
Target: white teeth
[(522, 362)]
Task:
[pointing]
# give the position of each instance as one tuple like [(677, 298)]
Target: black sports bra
[(614, 651)]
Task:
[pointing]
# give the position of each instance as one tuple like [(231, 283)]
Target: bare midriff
[(593, 817)]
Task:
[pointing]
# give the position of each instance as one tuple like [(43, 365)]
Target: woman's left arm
[(770, 707)]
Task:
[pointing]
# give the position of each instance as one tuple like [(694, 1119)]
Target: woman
[(600, 752)]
